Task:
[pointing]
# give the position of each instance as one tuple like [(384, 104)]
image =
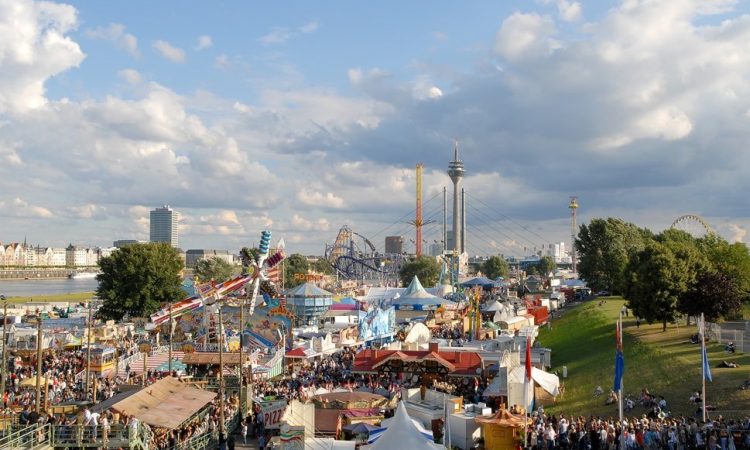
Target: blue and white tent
[(401, 431), (415, 298)]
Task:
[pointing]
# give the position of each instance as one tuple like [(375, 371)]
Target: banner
[(272, 413)]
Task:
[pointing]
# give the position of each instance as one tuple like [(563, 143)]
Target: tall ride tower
[(573, 207), (456, 172)]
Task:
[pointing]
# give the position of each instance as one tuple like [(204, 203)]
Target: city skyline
[(246, 118)]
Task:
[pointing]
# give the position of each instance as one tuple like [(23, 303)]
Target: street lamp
[(4, 367), (144, 347)]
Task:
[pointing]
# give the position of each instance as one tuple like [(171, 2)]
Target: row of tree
[(664, 275)]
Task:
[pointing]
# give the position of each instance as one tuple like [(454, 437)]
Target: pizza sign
[(272, 413)]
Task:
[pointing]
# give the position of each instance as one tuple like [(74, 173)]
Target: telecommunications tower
[(456, 172), (573, 228)]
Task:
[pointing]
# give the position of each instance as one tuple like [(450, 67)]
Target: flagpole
[(619, 391), (526, 394), (703, 366)]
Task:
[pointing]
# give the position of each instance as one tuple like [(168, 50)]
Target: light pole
[(37, 405), (171, 336), (88, 351), (4, 367), (243, 396), (220, 338)]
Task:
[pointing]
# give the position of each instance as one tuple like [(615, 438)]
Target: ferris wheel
[(693, 225)]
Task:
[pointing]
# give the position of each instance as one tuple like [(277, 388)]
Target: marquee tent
[(402, 432), (168, 403), (479, 281), (416, 298), (419, 334)]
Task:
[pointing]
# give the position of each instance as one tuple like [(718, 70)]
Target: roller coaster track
[(350, 262)]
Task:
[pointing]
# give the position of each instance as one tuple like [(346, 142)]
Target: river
[(16, 288)]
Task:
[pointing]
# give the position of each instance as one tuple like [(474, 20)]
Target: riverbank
[(75, 297), (35, 273)]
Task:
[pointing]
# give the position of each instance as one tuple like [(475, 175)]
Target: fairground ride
[(353, 257), (209, 295), (693, 225)]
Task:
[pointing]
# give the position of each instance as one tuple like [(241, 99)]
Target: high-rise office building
[(394, 244), (164, 224)]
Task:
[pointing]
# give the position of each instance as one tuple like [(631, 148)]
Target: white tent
[(403, 433), (499, 384), (508, 376), (548, 381), (328, 444), (494, 306), (419, 334)]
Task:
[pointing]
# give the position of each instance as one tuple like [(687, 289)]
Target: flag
[(704, 355), (528, 358), (619, 358)]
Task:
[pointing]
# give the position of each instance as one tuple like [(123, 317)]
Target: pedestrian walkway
[(252, 444)]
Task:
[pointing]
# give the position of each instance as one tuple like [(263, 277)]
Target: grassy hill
[(664, 362)]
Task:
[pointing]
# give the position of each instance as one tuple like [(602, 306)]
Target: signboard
[(292, 438), (272, 412)]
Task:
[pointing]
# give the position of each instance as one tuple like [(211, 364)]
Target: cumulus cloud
[(617, 105), (205, 41), (280, 35), (320, 199), (88, 211), (29, 58), (570, 11), (9, 154), (222, 62), (23, 209), (299, 223), (738, 233), (170, 52), (116, 34), (132, 76), (525, 35)]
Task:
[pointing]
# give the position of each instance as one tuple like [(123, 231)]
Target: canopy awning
[(168, 403), (212, 359)]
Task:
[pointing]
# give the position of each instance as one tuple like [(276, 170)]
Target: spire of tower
[(455, 150)]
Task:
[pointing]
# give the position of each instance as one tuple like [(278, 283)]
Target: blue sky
[(305, 116)]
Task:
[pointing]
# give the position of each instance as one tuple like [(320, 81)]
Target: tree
[(604, 248), (249, 255), (138, 278), (494, 267), (730, 259), (426, 268), (546, 265), (658, 276), (215, 268), (714, 294), (322, 266), (293, 265)]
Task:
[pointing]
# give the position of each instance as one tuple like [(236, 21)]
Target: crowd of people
[(644, 433)]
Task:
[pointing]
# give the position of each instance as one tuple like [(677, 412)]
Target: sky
[(302, 117)]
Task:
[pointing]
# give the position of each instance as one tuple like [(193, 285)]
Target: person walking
[(243, 431)]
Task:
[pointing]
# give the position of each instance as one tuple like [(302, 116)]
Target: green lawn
[(71, 298), (664, 362)]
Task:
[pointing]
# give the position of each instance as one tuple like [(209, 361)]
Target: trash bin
[(565, 371)]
